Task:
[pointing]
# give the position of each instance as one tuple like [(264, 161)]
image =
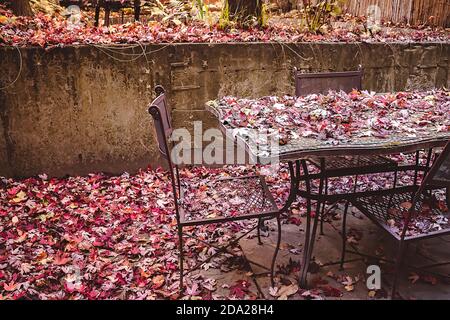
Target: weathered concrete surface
[(75, 110), (327, 252)]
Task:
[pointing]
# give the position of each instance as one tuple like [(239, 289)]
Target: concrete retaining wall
[(76, 110)]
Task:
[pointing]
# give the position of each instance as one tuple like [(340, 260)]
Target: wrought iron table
[(296, 151)]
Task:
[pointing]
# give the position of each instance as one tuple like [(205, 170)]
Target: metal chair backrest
[(160, 112), (308, 83), (439, 174), (163, 122)]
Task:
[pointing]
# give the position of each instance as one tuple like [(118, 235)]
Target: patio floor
[(101, 237), (328, 282)]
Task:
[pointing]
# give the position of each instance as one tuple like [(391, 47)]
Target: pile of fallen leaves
[(115, 237), (338, 117), (47, 31), (99, 237), (431, 215)]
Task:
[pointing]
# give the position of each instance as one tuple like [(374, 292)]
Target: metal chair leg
[(309, 234), (394, 186), (272, 268), (307, 242), (258, 232), (322, 213), (344, 226), (180, 242), (344, 236), (310, 241), (416, 170), (304, 274), (398, 266)]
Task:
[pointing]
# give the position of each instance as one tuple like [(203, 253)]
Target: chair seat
[(388, 210), (220, 200), (359, 164)]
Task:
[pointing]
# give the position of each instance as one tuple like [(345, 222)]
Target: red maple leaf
[(330, 291), (240, 289)]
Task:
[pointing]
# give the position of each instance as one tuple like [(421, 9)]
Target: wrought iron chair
[(397, 210), (447, 191), (308, 83), (79, 3), (258, 203), (115, 5)]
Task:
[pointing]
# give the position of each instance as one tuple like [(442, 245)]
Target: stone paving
[(366, 238)]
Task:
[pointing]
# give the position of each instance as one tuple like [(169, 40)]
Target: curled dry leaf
[(286, 291), (413, 277)]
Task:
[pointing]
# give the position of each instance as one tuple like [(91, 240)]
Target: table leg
[(305, 263), (310, 234), (294, 173)]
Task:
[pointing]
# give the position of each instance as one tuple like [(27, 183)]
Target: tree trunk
[(285, 5), (20, 7), (242, 9)]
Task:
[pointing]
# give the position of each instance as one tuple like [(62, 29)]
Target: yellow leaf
[(158, 281), (349, 287), (286, 291), (3, 19), (22, 238), (413, 277), (20, 197), (44, 217)]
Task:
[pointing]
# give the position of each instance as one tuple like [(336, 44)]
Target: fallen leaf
[(349, 287), (285, 291), (61, 260), (158, 281), (330, 291), (430, 279), (372, 294), (10, 286), (414, 277), (21, 196)]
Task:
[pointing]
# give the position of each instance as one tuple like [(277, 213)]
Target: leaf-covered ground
[(100, 237), (49, 31), (114, 237)]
